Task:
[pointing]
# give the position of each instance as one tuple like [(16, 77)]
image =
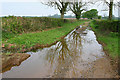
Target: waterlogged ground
[(78, 55)]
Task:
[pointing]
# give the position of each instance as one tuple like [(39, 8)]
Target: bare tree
[(76, 8), (61, 5), (110, 4)]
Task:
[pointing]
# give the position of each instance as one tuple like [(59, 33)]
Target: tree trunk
[(77, 16), (110, 9), (62, 15)]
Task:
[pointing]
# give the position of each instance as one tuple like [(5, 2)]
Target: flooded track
[(78, 55)]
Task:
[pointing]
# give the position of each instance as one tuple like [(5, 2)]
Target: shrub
[(106, 25), (17, 25), (99, 17)]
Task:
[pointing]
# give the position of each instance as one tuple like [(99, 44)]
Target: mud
[(8, 61), (103, 68)]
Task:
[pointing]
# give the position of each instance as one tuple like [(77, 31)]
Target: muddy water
[(72, 56)]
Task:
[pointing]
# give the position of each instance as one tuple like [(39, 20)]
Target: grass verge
[(109, 40)]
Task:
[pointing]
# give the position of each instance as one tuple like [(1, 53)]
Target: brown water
[(73, 56)]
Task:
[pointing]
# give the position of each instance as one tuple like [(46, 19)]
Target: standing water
[(73, 56)]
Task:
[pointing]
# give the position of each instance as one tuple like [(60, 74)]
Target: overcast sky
[(35, 8)]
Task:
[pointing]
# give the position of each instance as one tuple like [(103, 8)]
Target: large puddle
[(73, 56)]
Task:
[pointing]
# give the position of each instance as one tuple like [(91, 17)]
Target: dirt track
[(78, 55)]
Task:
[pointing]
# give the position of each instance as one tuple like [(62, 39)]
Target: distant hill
[(114, 18), (58, 16)]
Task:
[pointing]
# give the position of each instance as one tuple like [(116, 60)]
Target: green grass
[(110, 39), (44, 37), (7, 53), (111, 44)]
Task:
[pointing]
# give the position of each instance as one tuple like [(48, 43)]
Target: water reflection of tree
[(76, 39), (58, 52), (65, 52), (62, 49)]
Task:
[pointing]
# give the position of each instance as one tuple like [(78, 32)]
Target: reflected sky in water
[(70, 57)]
